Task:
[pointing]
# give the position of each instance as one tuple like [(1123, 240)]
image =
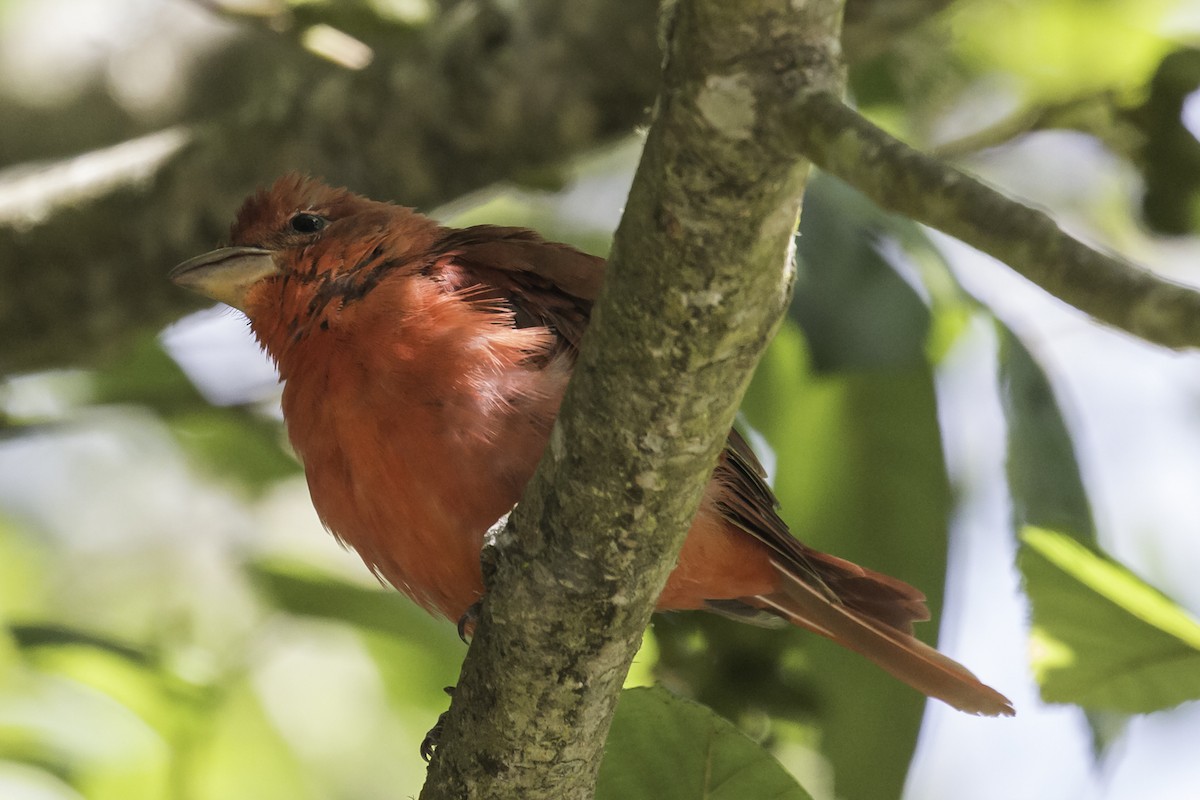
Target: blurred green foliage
[(1057, 48), (259, 665), (1042, 470), (856, 311), (238, 445), (1170, 153)]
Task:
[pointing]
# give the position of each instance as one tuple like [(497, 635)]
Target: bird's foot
[(467, 622), (430, 743)]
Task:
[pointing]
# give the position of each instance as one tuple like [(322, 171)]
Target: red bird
[(424, 367)]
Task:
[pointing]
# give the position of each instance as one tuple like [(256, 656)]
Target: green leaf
[(855, 309), (1043, 474), (82, 738), (860, 475), (1043, 477), (1169, 156), (243, 754), (31, 636), (145, 375), (1103, 638), (416, 654), (302, 590), (852, 415), (233, 444), (132, 675), (662, 747)]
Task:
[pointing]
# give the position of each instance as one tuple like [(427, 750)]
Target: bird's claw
[(467, 622), (429, 744)]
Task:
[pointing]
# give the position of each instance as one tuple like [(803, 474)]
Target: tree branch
[(928, 190), (700, 274)]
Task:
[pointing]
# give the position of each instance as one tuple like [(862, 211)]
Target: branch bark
[(931, 191), (701, 272)]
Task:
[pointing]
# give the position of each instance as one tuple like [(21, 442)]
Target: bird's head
[(300, 231)]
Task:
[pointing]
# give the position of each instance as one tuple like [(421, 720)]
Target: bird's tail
[(871, 614)]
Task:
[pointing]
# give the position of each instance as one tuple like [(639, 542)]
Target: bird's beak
[(226, 274)]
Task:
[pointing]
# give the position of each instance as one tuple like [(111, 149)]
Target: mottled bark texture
[(701, 272), (931, 191)]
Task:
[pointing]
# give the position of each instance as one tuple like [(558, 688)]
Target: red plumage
[(424, 367)]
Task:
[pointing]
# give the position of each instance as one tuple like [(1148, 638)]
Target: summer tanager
[(423, 369)]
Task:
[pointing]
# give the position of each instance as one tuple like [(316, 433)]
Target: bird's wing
[(554, 285), (544, 283)]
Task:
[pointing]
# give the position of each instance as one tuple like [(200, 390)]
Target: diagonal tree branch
[(700, 274), (929, 190)]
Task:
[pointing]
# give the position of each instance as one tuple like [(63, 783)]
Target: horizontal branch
[(929, 190)]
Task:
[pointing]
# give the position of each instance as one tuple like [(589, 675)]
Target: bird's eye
[(307, 223)]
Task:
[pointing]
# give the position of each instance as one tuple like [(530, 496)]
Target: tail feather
[(888, 645), (880, 597)]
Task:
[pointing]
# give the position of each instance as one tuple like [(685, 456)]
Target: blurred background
[(174, 623)]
